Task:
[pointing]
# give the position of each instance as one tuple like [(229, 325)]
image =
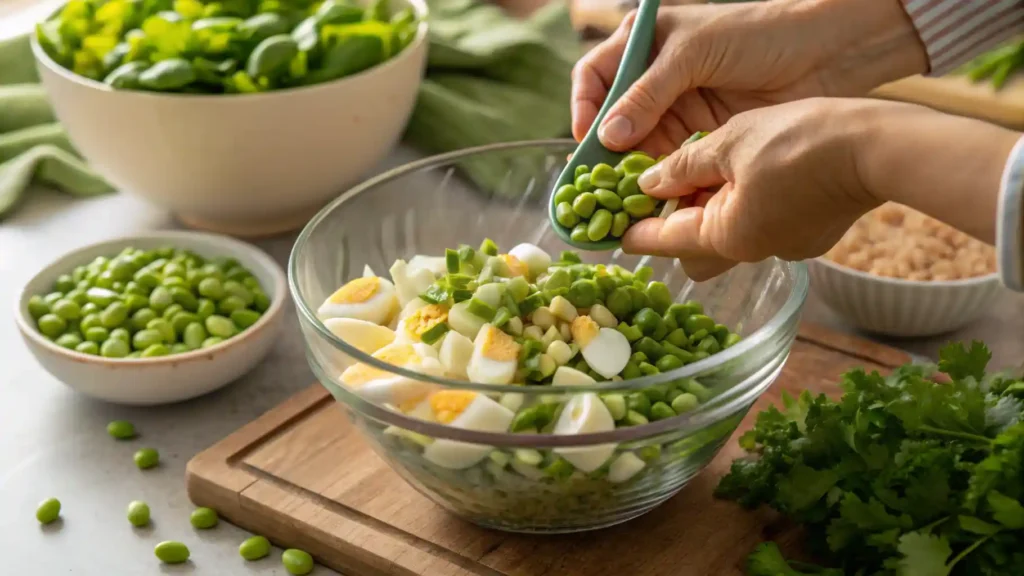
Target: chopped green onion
[(500, 317), (570, 256), (530, 349), (509, 302), (434, 333), (435, 294), (531, 303), (451, 261), (460, 295), (458, 280), (466, 253), (519, 288), (489, 247), (480, 309)]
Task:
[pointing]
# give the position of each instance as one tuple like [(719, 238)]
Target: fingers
[(633, 117), (678, 236), (593, 75), (692, 167)]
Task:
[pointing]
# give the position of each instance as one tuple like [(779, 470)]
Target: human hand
[(788, 186), (711, 62)]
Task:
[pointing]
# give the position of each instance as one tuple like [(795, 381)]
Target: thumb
[(692, 167), (640, 109)]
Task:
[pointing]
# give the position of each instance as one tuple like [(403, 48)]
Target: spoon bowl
[(591, 152)]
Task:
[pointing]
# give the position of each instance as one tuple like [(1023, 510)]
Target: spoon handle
[(634, 58)]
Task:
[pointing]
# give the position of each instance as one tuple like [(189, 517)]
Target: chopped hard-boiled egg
[(495, 357), (512, 266), (585, 414), (469, 411), (624, 467), (410, 282), (368, 298), (455, 354), (606, 350), (535, 259), (411, 328), (379, 385), (565, 376), (463, 321), (365, 336), (436, 264)]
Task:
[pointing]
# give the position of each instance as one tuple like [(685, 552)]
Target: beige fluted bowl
[(241, 164)]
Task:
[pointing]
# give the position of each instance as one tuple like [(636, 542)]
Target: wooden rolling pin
[(953, 94)]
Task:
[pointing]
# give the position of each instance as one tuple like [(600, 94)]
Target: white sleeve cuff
[(1010, 221)]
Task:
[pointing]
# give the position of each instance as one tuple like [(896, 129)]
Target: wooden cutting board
[(952, 94), (301, 476)]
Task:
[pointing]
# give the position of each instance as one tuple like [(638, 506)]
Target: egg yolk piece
[(412, 327), (379, 385), (368, 298), (514, 265), (469, 411), (495, 357)]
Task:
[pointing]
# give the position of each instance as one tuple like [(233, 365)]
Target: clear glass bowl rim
[(790, 308)]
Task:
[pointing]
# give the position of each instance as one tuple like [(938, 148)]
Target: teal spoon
[(590, 151)]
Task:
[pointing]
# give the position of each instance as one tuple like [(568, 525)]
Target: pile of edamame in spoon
[(230, 46)]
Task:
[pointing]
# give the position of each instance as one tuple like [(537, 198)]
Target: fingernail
[(650, 178), (616, 131)]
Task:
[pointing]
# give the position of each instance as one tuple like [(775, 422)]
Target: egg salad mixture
[(521, 318)]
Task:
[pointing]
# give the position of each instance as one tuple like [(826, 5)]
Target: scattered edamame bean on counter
[(522, 318), (194, 46), (147, 303)]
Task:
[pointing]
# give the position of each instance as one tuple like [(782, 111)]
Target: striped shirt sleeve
[(955, 31), (1010, 221)]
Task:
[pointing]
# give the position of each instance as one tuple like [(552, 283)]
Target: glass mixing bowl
[(500, 192)]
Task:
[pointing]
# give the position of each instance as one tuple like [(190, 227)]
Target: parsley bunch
[(917, 474)]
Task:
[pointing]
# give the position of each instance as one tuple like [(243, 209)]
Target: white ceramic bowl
[(902, 308), (160, 380), (241, 164)]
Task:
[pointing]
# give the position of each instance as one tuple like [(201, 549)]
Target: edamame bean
[(183, 319), (634, 418), (167, 334), (639, 206), (114, 315), (135, 302), (145, 338), (64, 283), (660, 297), (297, 562), (203, 518), (211, 341), (628, 186), (68, 340), (171, 310), (583, 183), (121, 429), (583, 293), (48, 511), (566, 193), (585, 204), (179, 348), (620, 222), (206, 308), (684, 403), (668, 362), (167, 75), (600, 225), (91, 348), (647, 320), (220, 326), (67, 309), (661, 411), (608, 199), (146, 458), (170, 552), (37, 308), (244, 318), (51, 325), (101, 297), (636, 163), (184, 298), (229, 304), (579, 233), (254, 548), (731, 340), (155, 350), (565, 215), (211, 288), (260, 301), (604, 176), (638, 402), (121, 334), (114, 348), (138, 513), (194, 335), (52, 297), (697, 322)]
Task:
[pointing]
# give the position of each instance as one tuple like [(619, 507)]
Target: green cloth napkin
[(33, 147), (490, 78)]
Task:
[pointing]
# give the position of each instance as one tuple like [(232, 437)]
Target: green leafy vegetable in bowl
[(909, 475), (233, 46)]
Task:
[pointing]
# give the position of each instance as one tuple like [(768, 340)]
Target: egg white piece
[(385, 387), (436, 264), (365, 336), (606, 350), (565, 376), (481, 414), (367, 271), (368, 298), (463, 321), (585, 414), (409, 282), (536, 260), (455, 354), (495, 357), (624, 467)]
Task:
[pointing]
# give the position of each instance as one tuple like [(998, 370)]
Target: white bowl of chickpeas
[(900, 273)]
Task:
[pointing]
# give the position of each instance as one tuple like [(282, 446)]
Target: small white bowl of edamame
[(153, 318)]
